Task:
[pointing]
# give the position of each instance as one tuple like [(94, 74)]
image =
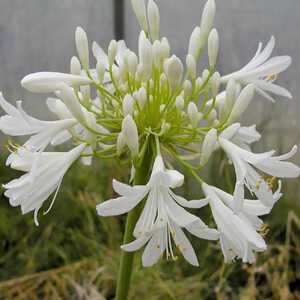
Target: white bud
[(128, 105), (157, 53), (75, 66), (207, 20), (47, 82), (212, 116), (230, 131), (193, 114), (130, 132), (208, 146), (140, 12), (82, 46), (86, 92), (223, 110), (191, 65), (164, 48), (205, 75), (199, 83), (121, 143), (174, 69), (153, 18), (179, 103), (215, 82), (124, 87), (115, 103), (123, 69), (187, 85), (145, 56), (142, 97), (100, 68), (165, 127), (131, 61), (116, 73), (71, 102), (213, 47), (241, 103), (163, 80), (112, 51), (230, 93), (194, 44), (151, 98)]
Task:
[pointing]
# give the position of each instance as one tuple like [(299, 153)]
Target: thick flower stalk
[(146, 110)]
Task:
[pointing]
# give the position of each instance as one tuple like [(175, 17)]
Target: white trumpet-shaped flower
[(262, 71), (238, 236), (17, 123), (162, 218), (246, 164), (45, 172)]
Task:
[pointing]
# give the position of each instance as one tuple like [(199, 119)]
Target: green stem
[(126, 261)]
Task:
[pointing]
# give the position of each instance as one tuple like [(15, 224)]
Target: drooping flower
[(163, 216), (238, 234), (246, 164), (262, 71), (44, 174), (18, 123)]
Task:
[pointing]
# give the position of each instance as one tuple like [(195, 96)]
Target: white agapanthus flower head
[(136, 108)]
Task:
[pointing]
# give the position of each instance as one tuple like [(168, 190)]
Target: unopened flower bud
[(47, 82), (161, 107), (193, 114), (205, 75), (164, 48), (156, 53), (208, 146), (163, 80), (165, 127), (123, 69), (128, 105), (142, 97), (100, 68), (199, 83), (75, 66), (212, 116), (186, 87), (115, 103), (153, 18), (241, 103), (215, 82), (194, 44), (145, 56), (86, 93), (71, 102), (207, 20), (140, 12), (82, 46), (191, 65), (213, 47), (116, 73), (179, 103), (121, 143), (112, 52), (130, 132), (131, 61), (174, 70), (230, 94)]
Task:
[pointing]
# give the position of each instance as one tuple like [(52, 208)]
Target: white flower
[(162, 218), (262, 71), (246, 165), (17, 123), (45, 172), (238, 237)]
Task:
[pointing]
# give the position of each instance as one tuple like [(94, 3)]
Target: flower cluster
[(146, 106)]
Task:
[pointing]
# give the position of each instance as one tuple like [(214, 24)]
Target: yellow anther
[(270, 187), (184, 249), (272, 77), (157, 246), (161, 219), (139, 232), (176, 258), (169, 254), (230, 249), (177, 245), (173, 233), (265, 225)]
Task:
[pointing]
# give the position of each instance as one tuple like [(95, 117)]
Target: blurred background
[(74, 254)]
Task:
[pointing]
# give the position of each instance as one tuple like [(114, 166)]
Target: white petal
[(273, 88), (189, 203), (152, 252), (99, 54)]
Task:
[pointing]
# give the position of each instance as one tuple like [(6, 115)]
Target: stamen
[(158, 246), (184, 249)]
